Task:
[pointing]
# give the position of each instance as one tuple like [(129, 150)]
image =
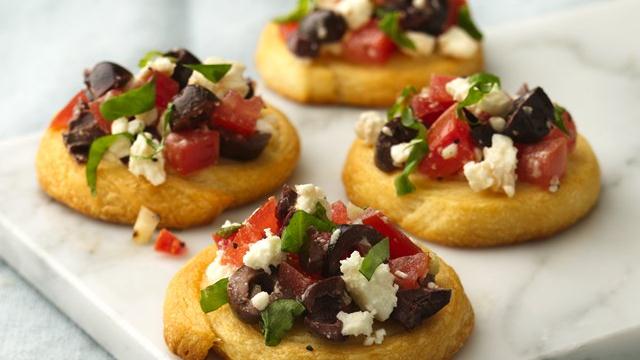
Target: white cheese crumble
[(147, 160), (355, 12), (496, 102), (424, 43), (309, 196), (369, 125), (354, 212), (228, 224), (149, 117), (450, 151), (162, 64), (457, 43), (356, 323), (145, 225), (400, 274), (554, 184), (260, 300), (419, 3), (458, 88), (387, 131), (216, 271), (266, 124), (120, 148), (233, 80), (400, 153), (377, 295), (497, 123), (498, 169), (334, 237), (122, 125), (264, 253), (377, 338)]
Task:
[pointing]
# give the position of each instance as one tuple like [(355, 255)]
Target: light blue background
[(45, 44)]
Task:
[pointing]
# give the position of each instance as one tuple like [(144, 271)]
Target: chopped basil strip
[(213, 72), (97, 150), (302, 9), (378, 254), (295, 235), (558, 111), (390, 25), (226, 231), (133, 102), (402, 103), (214, 296), (466, 23), (148, 57), (278, 318), (321, 213), (481, 85), (166, 119), (419, 150)]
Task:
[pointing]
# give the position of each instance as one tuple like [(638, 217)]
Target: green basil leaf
[(378, 254), (148, 57), (97, 150), (214, 296), (213, 72), (166, 119), (402, 102), (302, 9), (390, 25), (481, 85), (402, 183), (295, 235), (133, 102), (558, 111), (466, 23), (321, 213), (278, 318), (226, 231)]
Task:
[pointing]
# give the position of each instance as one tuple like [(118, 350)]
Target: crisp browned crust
[(190, 333), (448, 212), (181, 201), (332, 80)]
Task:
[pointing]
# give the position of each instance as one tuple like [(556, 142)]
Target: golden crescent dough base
[(181, 201), (332, 80), (450, 213), (191, 334)]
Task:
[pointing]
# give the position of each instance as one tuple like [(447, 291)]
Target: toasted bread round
[(329, 79), (192, 334), (181, 201), (450, 213)]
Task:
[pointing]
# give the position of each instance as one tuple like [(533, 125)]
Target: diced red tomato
[(190, 151), (238, 114), (166, 89), (447, 130), (252, 231), (454, 11), (570, 125), (61, 120), (409, 269), (94, 108), (294, 260), (368, 45), (399, 244), (339, 213), (541, 162), (288, 29), (168, 243), (433, 101)]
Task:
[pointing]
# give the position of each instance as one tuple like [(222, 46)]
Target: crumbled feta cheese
[(369, 126), (457, 43), (400, 153), (450, 151), (356, 323), (497, 123), (387, 131), (233, 80), (119, 125), (554, 184), (266, 124), (498, 169), (149, 117), (264, 253), (228, 224), (458, 88), (419, 4), (355, 12), (309, 196), (353, 211), (216, 271), (496, 102), (377, 338), (334, 237), (260, 300), (377, 295), (431, 285), (135, 126), (120, 148), (424, 43), (162, 64), (145, 225), (401, 275), (146, 159)]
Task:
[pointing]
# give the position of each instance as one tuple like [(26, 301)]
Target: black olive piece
[(303, 47), (314, 255), (531, 118), (482, 135), (329, 330), (286, 204), (83, 129), (182, 74), (243, 148), (291, 283), (325, 26), (399, 134), (326, 298), (243, 285), (192, 107), (424, 282), (430, 19), (252, 89), (350, 237), (415, 305), (397, 5), (106, 76)]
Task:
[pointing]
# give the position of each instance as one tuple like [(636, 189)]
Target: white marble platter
[(530, 300)]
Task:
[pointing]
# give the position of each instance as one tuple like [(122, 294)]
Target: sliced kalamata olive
[(192, 107), (238, 147), (330, 330), (395, 4), (398, 134), (303, 47), (349, 239), (291, 282), (243, 285), (252, 89), (415, 305), (83, 129), (531, 118), (482, 134), (326, 298), (325, 26), (314, 255), (182, 74), (430, 18), (286, 205), (106, 76)]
